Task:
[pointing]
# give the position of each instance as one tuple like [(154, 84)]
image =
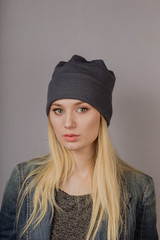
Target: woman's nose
[(69, 121)]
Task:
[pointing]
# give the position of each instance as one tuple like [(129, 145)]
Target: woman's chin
[(71, 147)]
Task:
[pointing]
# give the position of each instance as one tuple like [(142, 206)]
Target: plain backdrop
[(36, 35)]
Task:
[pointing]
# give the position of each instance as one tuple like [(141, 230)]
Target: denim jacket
[(141, 212)]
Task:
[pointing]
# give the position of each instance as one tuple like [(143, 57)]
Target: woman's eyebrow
[(56, 104), (80, 102)]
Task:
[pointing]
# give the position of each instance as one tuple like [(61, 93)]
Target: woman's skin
[(76, 125)]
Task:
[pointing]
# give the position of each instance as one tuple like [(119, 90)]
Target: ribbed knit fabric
[(72, 223)]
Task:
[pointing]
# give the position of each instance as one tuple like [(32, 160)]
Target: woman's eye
[(58, 111), (83, 109)]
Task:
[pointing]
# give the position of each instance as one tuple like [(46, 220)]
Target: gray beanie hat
[(89, 81)]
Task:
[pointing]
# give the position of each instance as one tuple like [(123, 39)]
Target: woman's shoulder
[(27, 167), (134, 175), (139, 184)]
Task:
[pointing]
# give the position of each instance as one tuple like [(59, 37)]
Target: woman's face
[(75, 123)]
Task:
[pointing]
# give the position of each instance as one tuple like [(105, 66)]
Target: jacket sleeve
[(146, 216), (8, 208)]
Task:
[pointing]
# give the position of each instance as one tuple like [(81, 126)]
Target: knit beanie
[(88, 81)]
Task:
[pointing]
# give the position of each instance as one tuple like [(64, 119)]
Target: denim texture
[(141, 211)]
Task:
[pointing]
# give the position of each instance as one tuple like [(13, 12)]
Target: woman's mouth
[(70, 137)]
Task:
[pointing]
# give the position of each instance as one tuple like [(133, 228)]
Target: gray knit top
[(72, 223)]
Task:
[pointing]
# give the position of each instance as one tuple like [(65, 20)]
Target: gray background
[(35, 35)]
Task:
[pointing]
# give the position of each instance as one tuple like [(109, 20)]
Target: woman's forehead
[(68, 101)]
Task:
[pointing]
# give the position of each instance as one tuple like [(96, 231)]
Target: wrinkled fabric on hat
[(89, 81)]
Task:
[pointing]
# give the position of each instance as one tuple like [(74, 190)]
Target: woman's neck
[(84, 162), (80, 180)]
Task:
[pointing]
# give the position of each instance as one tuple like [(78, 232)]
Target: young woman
[(81, 190)]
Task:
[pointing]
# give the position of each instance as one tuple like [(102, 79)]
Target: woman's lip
[(70, 137)]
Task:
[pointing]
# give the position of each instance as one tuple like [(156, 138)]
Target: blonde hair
[(107, 192)]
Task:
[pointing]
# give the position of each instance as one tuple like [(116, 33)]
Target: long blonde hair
[(107, 192)]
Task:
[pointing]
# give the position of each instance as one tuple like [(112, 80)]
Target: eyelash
[(57, 109), (84, 109)]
